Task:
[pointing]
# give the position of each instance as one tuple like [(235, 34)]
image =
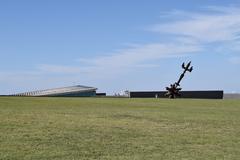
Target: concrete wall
[(184, 94), (231, 96), (76, 94)]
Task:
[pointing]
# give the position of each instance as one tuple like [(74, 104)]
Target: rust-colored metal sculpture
[(174, 89)]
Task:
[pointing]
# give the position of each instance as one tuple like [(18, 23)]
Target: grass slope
[(108, 128)]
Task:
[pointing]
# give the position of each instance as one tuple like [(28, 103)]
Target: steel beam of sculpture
[(174, 89)]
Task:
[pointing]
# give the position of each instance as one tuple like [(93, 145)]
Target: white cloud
[(47, 68), (121, 61), (190, 32), (139, 56), (222, 24)]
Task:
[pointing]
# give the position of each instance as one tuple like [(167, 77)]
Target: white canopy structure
[(72, 91)]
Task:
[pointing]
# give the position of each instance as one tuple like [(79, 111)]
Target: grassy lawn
[(108, 128)]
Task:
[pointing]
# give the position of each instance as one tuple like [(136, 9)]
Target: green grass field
[(108, 128)]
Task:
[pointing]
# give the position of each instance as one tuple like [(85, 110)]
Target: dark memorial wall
[(101, 94), (184, 94), (202, 94)]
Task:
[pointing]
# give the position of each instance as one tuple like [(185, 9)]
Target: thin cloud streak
[(141, 56), (222, 24), (47, 68)]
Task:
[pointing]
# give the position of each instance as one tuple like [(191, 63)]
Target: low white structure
[(72, 91)]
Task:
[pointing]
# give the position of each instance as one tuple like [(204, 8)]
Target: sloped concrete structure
[(72, 91)]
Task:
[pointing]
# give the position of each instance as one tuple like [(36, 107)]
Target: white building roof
[(58, 91)]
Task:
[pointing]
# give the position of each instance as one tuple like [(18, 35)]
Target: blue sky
[(119, 45)]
